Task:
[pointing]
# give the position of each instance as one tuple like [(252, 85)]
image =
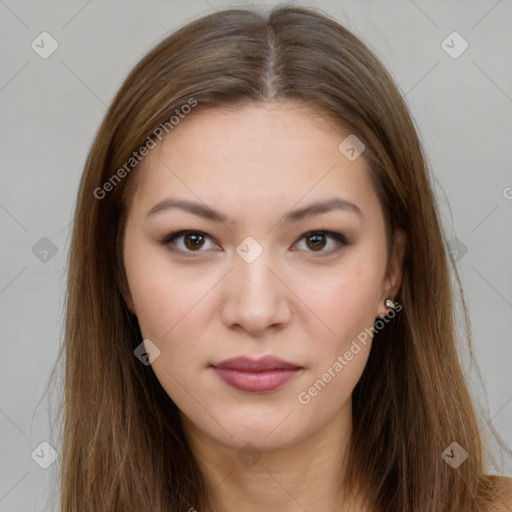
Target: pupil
[(319, 238), (194, 238)]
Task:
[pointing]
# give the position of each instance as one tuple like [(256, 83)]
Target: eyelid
[(337, 237), (177, 234)]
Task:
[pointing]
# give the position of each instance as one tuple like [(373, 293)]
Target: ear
[(394, 272), (130, 305), (129, 302), (127, 296)]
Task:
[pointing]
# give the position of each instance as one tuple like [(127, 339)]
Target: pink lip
[(256, 375)]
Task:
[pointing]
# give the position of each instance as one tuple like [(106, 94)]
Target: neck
[(307, 475)]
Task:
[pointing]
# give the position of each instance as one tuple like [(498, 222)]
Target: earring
[(389, 304)]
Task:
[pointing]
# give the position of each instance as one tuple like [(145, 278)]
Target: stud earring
[(389, 303)]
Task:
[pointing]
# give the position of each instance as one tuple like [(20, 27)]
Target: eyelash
[(338, 237)]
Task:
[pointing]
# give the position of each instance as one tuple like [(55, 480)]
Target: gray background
[(52, 107)]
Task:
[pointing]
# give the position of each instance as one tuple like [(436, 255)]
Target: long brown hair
[(123, 448)]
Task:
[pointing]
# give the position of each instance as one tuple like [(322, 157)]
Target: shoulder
[(503, 487)]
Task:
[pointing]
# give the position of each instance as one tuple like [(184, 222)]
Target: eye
[(192, 240), (316, 240)]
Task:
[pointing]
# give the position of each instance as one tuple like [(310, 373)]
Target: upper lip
[(264, 363)]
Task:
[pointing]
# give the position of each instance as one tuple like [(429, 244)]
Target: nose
[(256, 298)]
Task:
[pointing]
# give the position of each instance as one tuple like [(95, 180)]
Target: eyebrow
[(201, 210)]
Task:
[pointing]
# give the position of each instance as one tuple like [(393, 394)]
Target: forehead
[(261, 154)]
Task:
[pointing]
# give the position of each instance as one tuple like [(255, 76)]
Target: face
[(254, 277)]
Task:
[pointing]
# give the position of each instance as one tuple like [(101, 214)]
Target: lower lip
[(256, 382)]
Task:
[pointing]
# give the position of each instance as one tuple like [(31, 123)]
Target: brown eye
[(193, 241), (316, 242), (187, 241)]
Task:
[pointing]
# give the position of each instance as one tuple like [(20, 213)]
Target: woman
[(259, 309)]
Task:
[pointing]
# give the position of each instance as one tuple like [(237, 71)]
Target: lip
[(256, 375)]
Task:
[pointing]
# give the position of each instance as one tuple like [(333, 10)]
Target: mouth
[(256, 375)]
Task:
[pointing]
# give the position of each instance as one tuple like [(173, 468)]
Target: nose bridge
[(255, 297), (252, 273)]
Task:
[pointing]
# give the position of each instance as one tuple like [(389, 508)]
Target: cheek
[(346, 301), (162, 296), (339, 355), (346, 304)]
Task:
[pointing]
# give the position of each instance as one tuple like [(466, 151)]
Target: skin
[(202, 304)]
